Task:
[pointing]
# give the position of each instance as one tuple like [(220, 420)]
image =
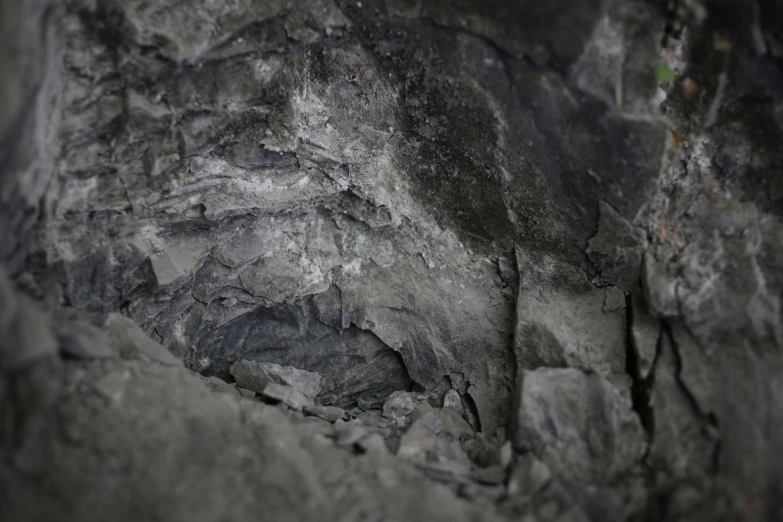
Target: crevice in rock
[(471, 410), (640, 388)]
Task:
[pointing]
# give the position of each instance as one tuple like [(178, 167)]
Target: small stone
[(82, 340), (25, 333), (421, 437), (245, 392), (453, 402), (349, 433), (111, 386), (327, 413), (375, 444), (250, 375), (506, 454), (529, 476), (458, 382), (288, 395), (492, 475), (166, 272), (398, 405), (308, 383), (131, 342), (255, 376), (364, 405)]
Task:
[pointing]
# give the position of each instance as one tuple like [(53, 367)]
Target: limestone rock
[(453, 402), (256, 376), (327, 413), (563, 320), (398, 406), (130, 342), (577, 423), (288, 395)]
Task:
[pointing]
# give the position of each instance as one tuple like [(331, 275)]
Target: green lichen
[(664, 74)]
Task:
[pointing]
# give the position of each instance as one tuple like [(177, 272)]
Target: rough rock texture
[(556, 224), (579, 424)]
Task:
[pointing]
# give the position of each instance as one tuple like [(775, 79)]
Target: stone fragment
[(491, 476), (245, 393), (458, 382), (165, 270), (112, 385), (81, 339), (218, 385), (453, 402), (25, 333), (250, 375), (420, 438), (398, 406), (506, 454), (130, 342), (374, 443), (349, 433), (452, 423), (288, 395), (255, 375), (327, 413), (578, 423), (529, 476), (309, 383), (660, 289)]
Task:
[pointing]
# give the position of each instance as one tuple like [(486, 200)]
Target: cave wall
[(430, 195)]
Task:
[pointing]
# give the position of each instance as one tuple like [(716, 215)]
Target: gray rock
[(130, 342), (453, 402), (420, 438), (349, 433), (557, 421), (616, 249), (327, 413), (529, 476), (26, 335), (563, 320), (250, 375), (398, 406), (309, 383), (288, 395), (81, 339), (349, 209), (246, 393), (255, 376)]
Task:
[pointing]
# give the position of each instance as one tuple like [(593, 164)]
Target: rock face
[(579, 424), (445, 227)]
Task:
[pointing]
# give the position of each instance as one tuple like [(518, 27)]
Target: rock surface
[(427, 204), (579, 424)]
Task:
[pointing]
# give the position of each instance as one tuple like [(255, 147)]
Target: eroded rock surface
[(477, 223)]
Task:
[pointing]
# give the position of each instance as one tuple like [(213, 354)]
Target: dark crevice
[(640, 389), (472, 411)]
